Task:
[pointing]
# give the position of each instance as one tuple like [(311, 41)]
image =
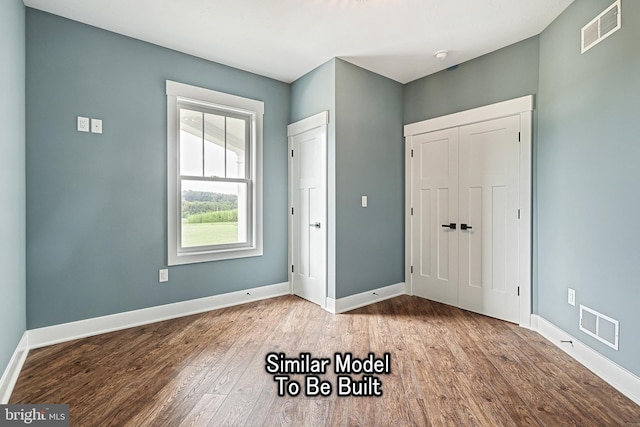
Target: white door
[(488, 209), (435, 215), (464, 194), (308, 210)]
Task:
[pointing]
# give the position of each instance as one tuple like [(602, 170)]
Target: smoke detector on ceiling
[(441, 54)]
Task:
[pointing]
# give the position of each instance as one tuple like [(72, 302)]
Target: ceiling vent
[(601, 27), (599, 326)]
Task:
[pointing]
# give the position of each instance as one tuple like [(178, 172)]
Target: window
[(214, 164)]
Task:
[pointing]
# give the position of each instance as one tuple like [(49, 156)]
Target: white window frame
[(180, 92)]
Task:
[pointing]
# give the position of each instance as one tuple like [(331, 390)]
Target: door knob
[(452, 226), (316, 225), (465, 227)]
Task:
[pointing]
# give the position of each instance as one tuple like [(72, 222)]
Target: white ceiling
[(285, 39)]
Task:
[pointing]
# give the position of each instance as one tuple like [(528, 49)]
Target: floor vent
[(601, 27), (599, 326)]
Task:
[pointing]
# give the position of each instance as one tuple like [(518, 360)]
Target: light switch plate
[(163, 275), (571, 296), (365, 201), (83, 124), (96, 126)]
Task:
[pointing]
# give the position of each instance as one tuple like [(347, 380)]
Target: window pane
[(214, 129), (190, 142), (213, 213), (236, 147)]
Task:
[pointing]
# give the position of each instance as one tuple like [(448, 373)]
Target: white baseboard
[(55, 334), (11, 373), (352, 302), (330, 305), (624, 381)]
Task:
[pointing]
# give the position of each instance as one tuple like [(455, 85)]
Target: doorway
[(308, 207)]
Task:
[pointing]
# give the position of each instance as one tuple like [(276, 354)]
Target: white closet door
[(435, 204), (488, 218)]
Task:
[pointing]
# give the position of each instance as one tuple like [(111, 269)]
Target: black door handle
[(451, 225), (465, 227)]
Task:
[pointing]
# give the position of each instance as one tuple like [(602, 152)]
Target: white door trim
[(301, 126), (523, 107), (467, 117)]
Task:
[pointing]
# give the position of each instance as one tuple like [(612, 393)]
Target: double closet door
[(465, 211)]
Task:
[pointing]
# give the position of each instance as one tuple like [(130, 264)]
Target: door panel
[(443, 238), (435, 198), (488, 172)]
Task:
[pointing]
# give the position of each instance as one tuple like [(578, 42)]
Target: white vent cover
[(599, 326), (601, 27)]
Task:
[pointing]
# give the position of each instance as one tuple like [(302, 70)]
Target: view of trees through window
[(209, 218)]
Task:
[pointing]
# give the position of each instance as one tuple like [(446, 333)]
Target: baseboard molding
[(352, 302), (11, 373), (55, 334), (624, 381)]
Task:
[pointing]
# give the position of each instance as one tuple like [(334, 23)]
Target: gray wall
[(12, 178), (96, 204), (365, 157), (588, 176), (507, 73), (369, 161), (311, 94)]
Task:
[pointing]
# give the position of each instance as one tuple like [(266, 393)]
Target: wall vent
[(599, 326), (601, 27)]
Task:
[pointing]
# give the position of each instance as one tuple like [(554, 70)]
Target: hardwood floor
[(448, 367)]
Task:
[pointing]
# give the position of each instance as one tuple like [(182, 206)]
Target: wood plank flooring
[(448, 368)]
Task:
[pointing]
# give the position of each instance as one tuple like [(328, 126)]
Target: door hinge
[(518, 213), (292, 211), (412, 152), (291, 153), (519, 135), (292, 268), (518, 290), (411, 211), (412, 269)]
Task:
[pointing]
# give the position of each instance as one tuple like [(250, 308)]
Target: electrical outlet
[(83, 124), (163, 276), (96, 126), (571, 296)]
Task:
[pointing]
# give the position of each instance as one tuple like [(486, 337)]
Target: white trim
[(55, 334), (213, 97), (352, 302), (480, 114), (330, 305), (311, 122), (525, 223), (12, 371), (523, 107), (618, 377), (408, 174)]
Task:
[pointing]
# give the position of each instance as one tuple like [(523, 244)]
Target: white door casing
[(493, 261), (308, 204)]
